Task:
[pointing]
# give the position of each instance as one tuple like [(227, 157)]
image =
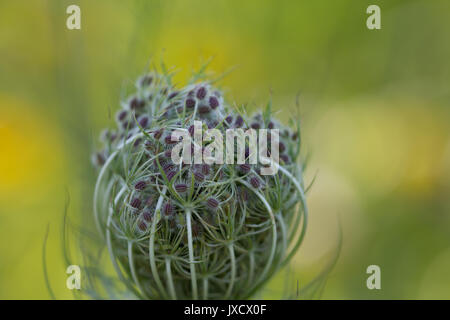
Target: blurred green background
[(374, 105)]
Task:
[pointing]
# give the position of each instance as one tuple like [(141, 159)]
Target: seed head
[(190, 103), (158, 134), (147, 215), (212, 203), (140, 185), (173, 95), (167, 210), (136, 103), (225, 203), (135, 203), (181, 187), (201, 93), (143, 121), (245, 168), (146, 80), (213, 102), (199, 177), (239, 122), (121, 115), (255, 182), (142, 226)]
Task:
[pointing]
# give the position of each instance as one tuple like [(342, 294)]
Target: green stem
[(151, 249), (205, 288), (133, 269), (170, 280), (113, 257), (233, 271), (191, 255)]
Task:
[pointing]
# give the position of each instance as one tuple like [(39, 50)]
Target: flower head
[(171, 227)]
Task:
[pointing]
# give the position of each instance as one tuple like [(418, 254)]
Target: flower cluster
[(183, 231)]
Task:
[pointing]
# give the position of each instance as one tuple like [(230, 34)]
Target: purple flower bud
[(198, 176), (143, 121), (135, 103), (245, 168), (136, 203), (121, 115), (181, 187), (190, 103), (173, 95), (255, 182), (212, 203), (147, 215), (270, 125), (282, 147), (213, 102), (294, 136), (201, 93), (158, 134), (140, 185), (142, 226), (167, 210), (239, 122), (255, 125), (229, 119), (146, 80), (285, 158), (170, 175)]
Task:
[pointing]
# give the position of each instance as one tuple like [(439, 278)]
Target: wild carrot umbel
[(194, 231)]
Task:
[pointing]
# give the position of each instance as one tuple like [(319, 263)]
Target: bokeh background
[(374, 109)]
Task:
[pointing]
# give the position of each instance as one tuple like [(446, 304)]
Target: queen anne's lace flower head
[(193, 230)]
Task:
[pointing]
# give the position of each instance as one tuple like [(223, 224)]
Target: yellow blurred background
[(375, 115)]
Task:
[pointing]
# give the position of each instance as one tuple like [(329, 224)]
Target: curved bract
[(194, 231)]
